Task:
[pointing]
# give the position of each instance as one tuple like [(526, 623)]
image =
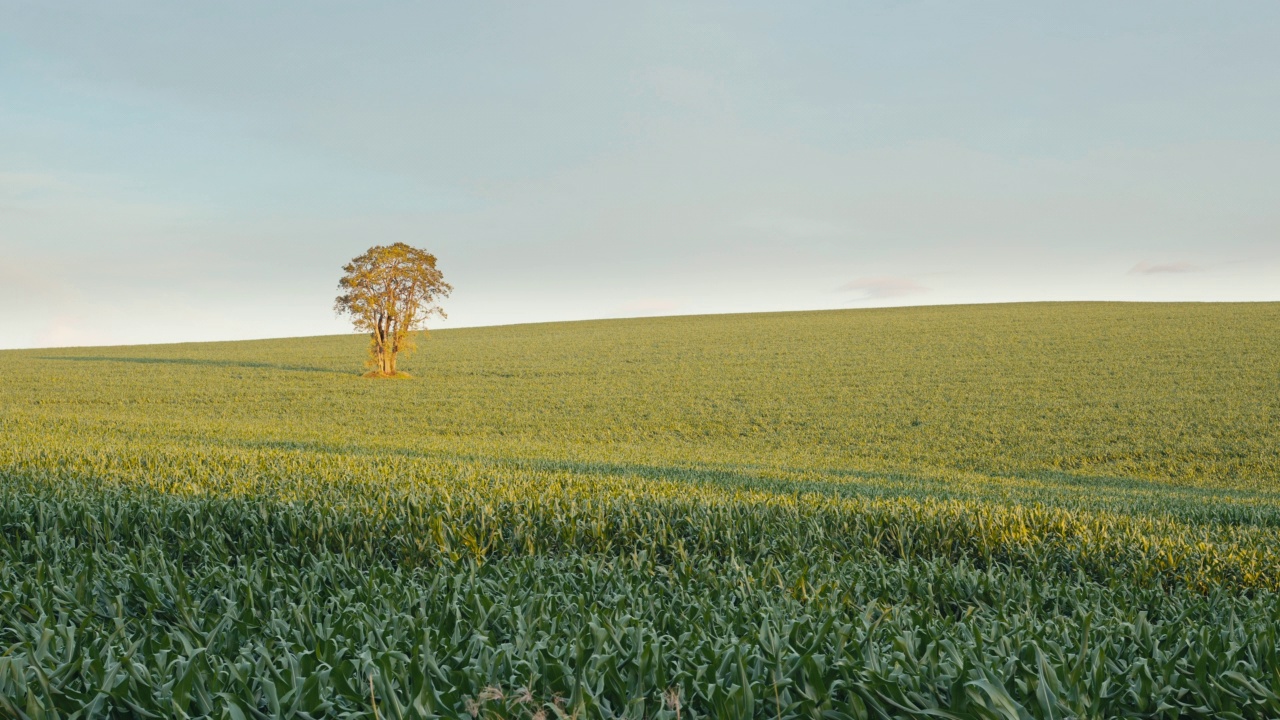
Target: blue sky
[(189, 171)]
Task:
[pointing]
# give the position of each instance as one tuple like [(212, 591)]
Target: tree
[(389, 292)]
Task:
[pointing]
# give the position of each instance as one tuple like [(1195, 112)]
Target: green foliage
[(389, 292), (1044, 511)]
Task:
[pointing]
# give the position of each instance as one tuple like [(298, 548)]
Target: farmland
[(1006, 511)]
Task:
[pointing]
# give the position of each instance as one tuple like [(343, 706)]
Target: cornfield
[(1019, 511)]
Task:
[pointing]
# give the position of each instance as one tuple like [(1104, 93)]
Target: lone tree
[(389, 292)]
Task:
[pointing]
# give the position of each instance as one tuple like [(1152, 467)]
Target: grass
[(378, 375), (1041, 510)]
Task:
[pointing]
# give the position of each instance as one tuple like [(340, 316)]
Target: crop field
[(1007, 511)]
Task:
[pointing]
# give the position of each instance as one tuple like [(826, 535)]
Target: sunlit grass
[(1058, 510)]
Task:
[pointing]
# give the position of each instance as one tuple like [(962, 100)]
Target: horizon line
[(672, 315)]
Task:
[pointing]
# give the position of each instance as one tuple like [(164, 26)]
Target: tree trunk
[(383, 344)]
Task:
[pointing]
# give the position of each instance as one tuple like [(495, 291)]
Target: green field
[(1004, 511)]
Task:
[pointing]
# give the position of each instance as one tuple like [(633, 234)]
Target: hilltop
[(1178, 393)]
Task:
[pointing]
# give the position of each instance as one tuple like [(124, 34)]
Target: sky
[(201, 171)]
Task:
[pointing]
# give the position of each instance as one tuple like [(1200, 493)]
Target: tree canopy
[(389, 292)]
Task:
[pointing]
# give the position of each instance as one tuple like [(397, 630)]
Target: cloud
[(1146, 268), (876, 288), (682, 86), (70, 331), (791, 227), (12, 183), (648, 306)]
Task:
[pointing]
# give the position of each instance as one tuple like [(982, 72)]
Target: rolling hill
[(1028, 510)]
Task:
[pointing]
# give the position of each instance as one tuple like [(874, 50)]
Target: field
[(1005, 511)]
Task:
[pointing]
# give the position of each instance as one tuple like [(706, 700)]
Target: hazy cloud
[(648, 306), (788, 227), (876, 288), (1146, 268), (682, 86), (68, 331)]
